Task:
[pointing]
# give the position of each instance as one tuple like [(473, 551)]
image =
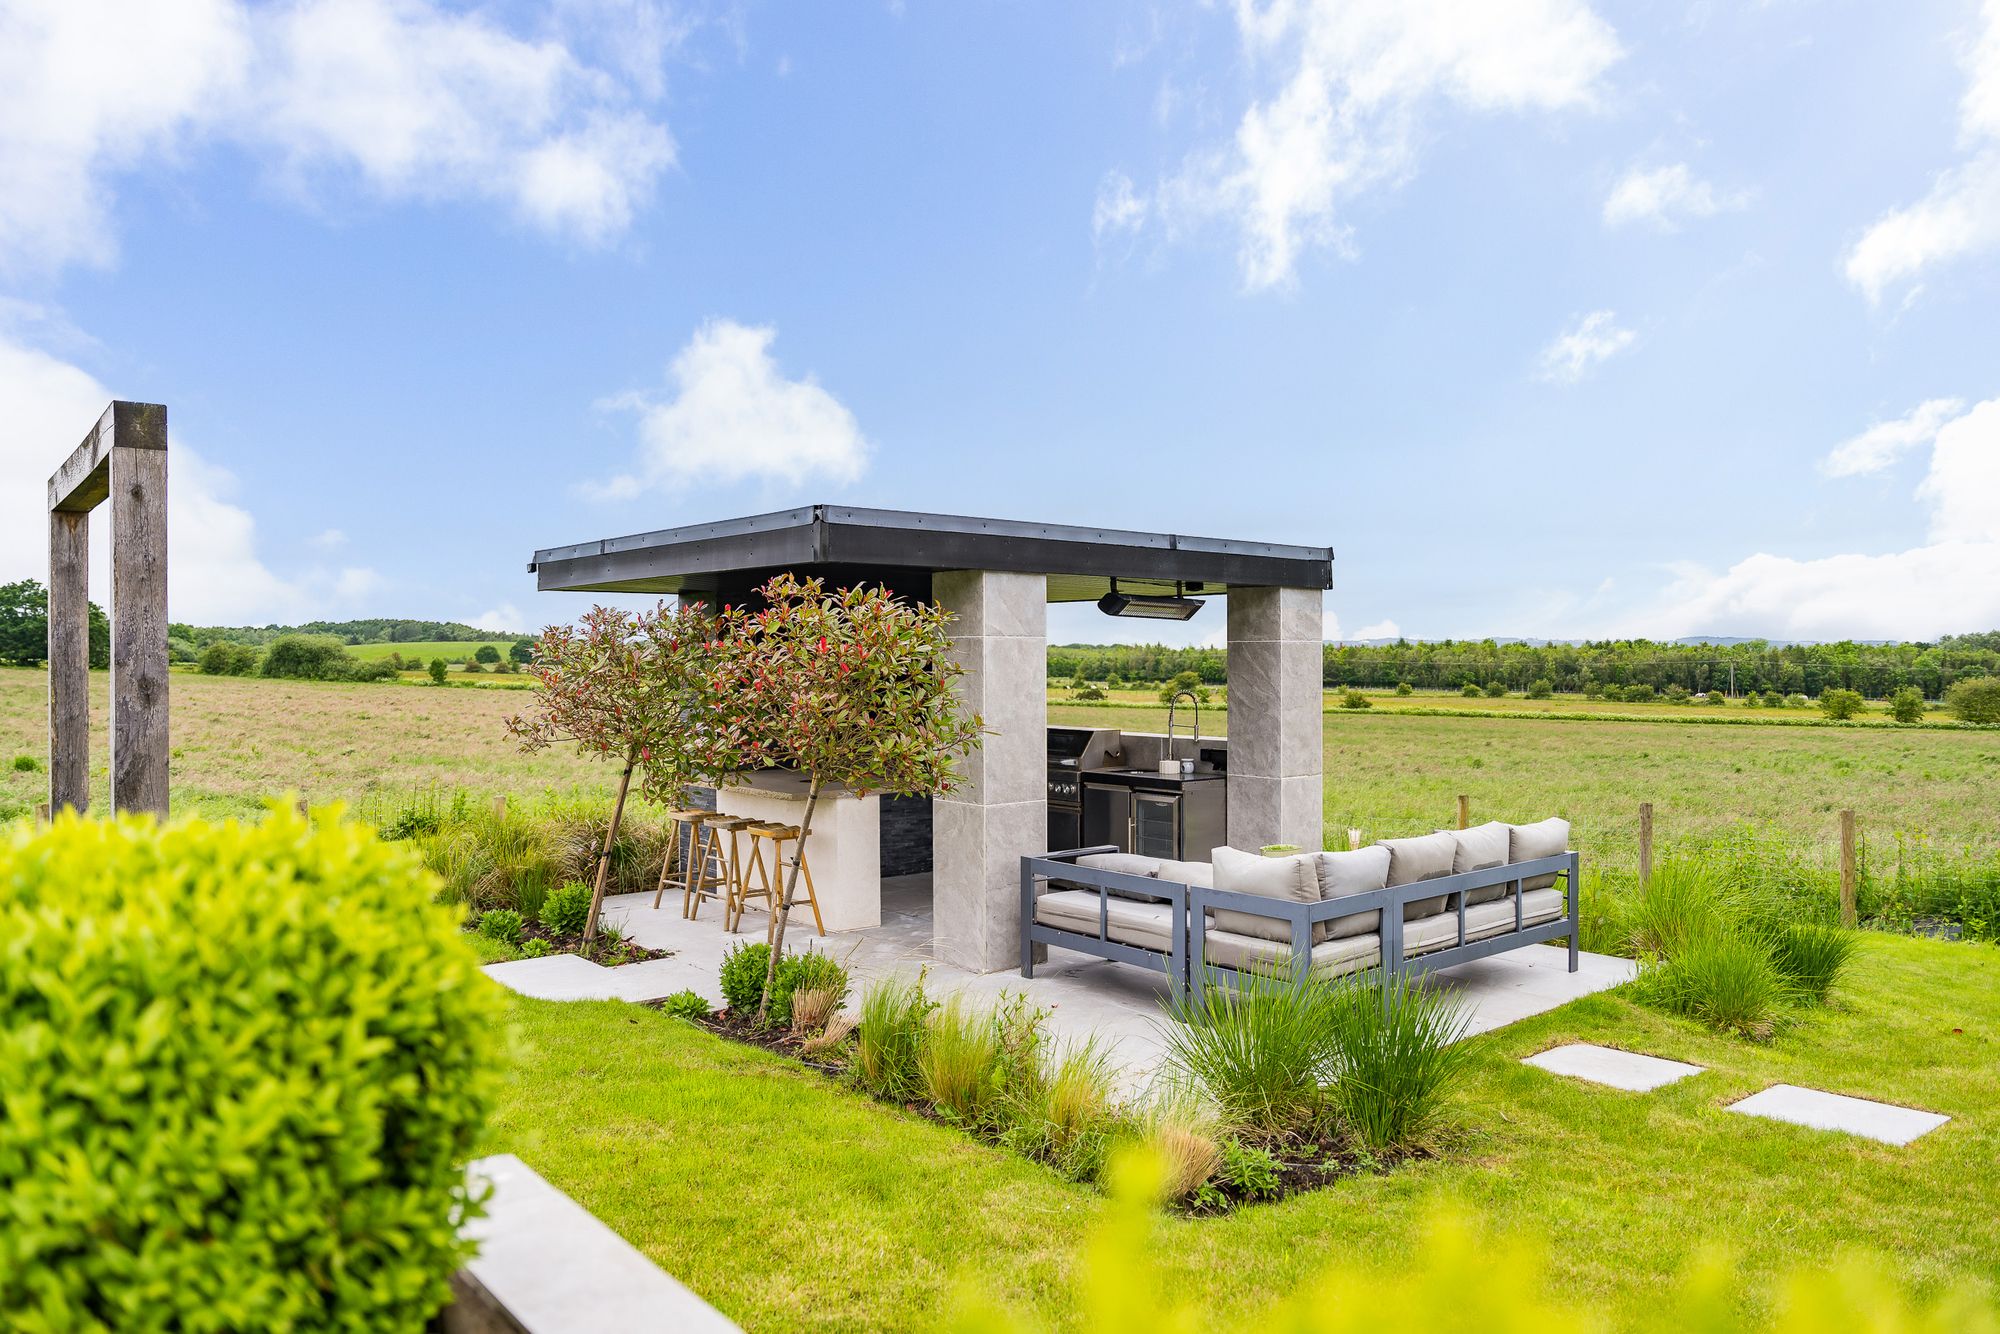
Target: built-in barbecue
[(1138, 792)]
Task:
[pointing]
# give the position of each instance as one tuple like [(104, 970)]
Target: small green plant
[(1677, 693), (1838, 704), (1683, 901), (690, 1005), (438, 671), (960, 1064), (566, 908), (1405, 689), (1907, 705), (27, 764), (1248, 1169), (809, 972), (1396, 1055), (891, 1035), (501, 924), (1638, 694), (1469, 690), (1724, 979), (1714, 697), (1496, 690), (1066, 1117), (535, 947), (1257, 1049), (1797, 701), (1810, 957), (1354, 699), (1540, 689), (743, 969), (1774, 699)]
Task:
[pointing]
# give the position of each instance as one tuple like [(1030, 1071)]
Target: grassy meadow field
[(239, 740), (451, 650)]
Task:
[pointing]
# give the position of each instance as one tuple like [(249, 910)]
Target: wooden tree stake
[(1464, 811), (1645, 843)]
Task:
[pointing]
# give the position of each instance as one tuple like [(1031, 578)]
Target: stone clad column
[(999, 811), (1276, 731)]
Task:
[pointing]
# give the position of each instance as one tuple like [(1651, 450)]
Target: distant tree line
[(378, 630), (1874, 670), (24, 627)]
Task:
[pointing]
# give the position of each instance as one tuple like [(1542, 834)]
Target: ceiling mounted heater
[(1150, 607)]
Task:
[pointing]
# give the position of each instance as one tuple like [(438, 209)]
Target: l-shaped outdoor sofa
[(1403, 905)]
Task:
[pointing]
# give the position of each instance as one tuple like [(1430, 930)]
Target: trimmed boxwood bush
[(241, 1070)]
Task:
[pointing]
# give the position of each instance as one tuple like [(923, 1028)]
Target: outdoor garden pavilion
[(997, 577)]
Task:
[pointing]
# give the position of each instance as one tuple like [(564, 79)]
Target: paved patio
[(1118, 1004)]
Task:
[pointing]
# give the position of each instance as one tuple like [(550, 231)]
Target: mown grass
[(451, 650), (867, 1218)]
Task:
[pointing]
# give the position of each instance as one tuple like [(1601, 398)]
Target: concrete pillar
[(1276, 732), (999, 811)]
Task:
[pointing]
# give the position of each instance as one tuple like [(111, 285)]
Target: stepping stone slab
[(1607, 1065), (1836, 1111), (556, 977)]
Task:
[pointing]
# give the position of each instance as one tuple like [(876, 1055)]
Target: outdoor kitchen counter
[(844, 852)]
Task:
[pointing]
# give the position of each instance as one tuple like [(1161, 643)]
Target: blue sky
[(1552, 318)]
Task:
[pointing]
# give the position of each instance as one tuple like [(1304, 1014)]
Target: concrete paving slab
[(1628, 1070), (1836, 1111), (555, 977)]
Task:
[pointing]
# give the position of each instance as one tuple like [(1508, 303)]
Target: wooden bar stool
[(677, 870), (725, 880), (772, 874)]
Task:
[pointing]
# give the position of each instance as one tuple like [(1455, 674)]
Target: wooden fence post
[(305, 809), (1645, 843), (500, 807), (1354, 840), (41, 813), (1464, 811), (1848, 875)]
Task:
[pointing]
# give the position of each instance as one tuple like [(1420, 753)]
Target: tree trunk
[(604, 857), (783, 909)]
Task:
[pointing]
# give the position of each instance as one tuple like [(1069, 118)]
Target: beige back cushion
[(1545, 838), (1187, 873), (1423, 858), (1344, 873), (1129, 863), (1477, 849), (1290, 878)]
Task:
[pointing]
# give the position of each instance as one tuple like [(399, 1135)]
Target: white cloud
[(406, 98), (733, 415), (1960, 215), (1119, 207), (1380, 630), (1663, 197), (503, 619), (1347, 88), (1593, 339), (214, 574), (328, 539), (1885, 442), (1951, 583)]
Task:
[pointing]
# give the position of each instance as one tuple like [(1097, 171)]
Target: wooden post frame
[(1645, 843), (122, 460), (1849, 876)]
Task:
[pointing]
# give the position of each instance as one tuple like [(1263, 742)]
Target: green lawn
[(788, 1201), (451, 650)]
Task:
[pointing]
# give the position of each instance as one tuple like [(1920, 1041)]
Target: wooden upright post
[(69, 660), (1464, 811), (1645, 843), (1848, 872)]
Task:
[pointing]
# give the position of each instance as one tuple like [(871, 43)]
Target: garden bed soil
[(1303, 1165), (604, 950)]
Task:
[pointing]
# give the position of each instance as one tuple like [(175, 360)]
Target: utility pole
[(1732, 680)]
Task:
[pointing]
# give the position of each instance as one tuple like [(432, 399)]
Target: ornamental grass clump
[(1067, 1117), (1396, 1056), (243, 1067), (1725, 979), (961, 1064), (1810, 957), (890, 1037), (1259, 1049)]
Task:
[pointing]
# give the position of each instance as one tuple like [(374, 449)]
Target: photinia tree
[(850, 688), (634, 689)]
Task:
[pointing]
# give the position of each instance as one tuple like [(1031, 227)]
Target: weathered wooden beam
[(139, 742), (69, 660), (84, 479)]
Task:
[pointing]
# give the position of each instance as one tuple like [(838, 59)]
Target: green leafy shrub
[(244, 1066), (803, 972), (486, 653), (1677, 693), (1249, 1169), (1405, 689), (891, 1034), (1752, 700), (502, 924), (1838, 704), (377, 669), (1907, 705), (1638, 694), (1469, 690), (1797, 701), (1395, 1057), (743, 967), (1539, 689), (535, 947), (1810, 957), (1714, 697), (1774, 699), (307, 658), (27, 764), (1496, 689), (1257, 1049), (686, 1005), (437, 671), (1354, 699), (565, 908), (1726, 979), (1976, 699), (226, 659)]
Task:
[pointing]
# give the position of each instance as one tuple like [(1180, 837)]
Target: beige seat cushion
[(1347, 954), (1480, 848), (1527, 842), (1345, 873), (1482, 920), (1423, 858), (1147, 926), (1289, 879)]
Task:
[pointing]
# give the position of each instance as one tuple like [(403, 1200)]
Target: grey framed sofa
[(1404, 906)]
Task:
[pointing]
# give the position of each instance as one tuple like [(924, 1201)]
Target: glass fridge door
[(1156, 826)]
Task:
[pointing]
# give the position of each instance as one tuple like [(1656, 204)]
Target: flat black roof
[(1080, 562)]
